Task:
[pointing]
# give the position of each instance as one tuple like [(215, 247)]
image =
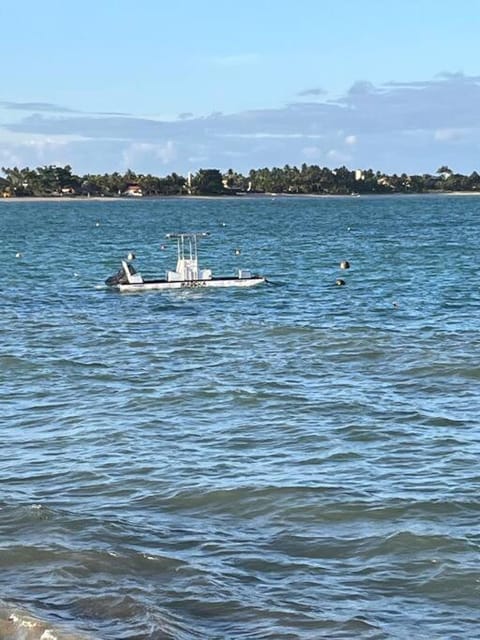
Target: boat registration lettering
[(195, 284)]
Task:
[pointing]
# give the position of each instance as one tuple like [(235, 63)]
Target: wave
[(16, 623)]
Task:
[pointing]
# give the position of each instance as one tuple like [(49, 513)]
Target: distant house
[(384, 181), (443, 175), (133, 190), (68, 191), (234, 188)]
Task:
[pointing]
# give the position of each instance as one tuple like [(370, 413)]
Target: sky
[(160, 87)]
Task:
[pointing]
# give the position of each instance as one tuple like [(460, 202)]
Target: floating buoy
[(97, 224), (340, 282), (238, 252), (344, 264), (131, 256)]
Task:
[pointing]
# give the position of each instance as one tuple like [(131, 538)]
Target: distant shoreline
[(250, 196)]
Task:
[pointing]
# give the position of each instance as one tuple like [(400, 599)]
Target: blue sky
[(161, 86)]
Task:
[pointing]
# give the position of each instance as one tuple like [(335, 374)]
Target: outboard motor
[(120, 277)]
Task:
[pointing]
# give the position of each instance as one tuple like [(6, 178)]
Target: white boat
[(187, 274)]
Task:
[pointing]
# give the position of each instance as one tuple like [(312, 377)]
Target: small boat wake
[(275, 283)]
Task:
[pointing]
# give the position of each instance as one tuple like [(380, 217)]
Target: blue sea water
[(298, 460)]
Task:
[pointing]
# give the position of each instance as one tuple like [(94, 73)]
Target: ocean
[(298, 460)]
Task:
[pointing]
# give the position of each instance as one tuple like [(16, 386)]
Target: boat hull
[(165, 285)]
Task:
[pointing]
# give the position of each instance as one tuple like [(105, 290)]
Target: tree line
[(52, 180)]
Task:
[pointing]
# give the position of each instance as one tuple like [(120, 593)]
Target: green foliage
[(208, 182), (444, 169), (51, 180)]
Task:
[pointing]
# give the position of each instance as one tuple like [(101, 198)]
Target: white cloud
[(279, 136), (338, 156), (238, 60), (449, 135), (8, 158), (36, 139), (18, 149), (144, 154), (395, 122)]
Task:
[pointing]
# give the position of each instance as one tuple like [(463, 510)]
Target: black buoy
[(344, 264)]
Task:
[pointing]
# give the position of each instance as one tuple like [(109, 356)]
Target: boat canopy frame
[(187, 257)]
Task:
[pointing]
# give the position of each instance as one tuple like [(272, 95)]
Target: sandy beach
[(230, 197)]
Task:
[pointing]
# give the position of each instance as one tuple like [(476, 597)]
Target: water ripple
[(293, 461)]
